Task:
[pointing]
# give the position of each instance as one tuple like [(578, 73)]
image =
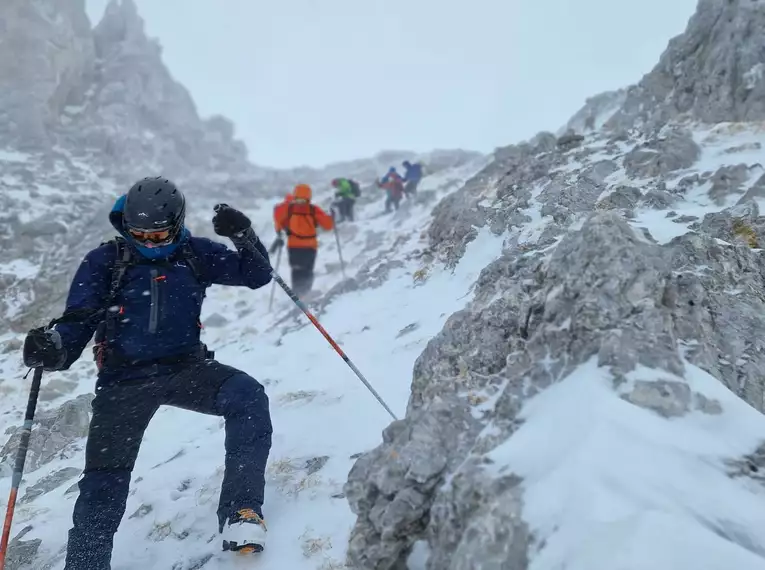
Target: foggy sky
[(313, 81)]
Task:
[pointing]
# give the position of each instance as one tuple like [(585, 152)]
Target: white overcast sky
[(313, 81)]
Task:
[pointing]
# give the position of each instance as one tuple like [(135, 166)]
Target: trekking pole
[(273, 285), (72, 316), (339, 250), (330, 340), (295, 299), (21, 457)]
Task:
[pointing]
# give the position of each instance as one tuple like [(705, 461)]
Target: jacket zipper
[(154, 312)]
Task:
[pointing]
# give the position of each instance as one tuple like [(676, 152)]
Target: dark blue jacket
[(160, 300), (413, 172)]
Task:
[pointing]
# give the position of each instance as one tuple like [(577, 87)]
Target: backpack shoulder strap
[(123, 260), (195, 263)]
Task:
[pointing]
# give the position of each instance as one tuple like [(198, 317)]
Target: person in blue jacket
[(412, 177), (144, 293)]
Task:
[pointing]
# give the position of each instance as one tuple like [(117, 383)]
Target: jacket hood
[(302, 192), (117, 220)]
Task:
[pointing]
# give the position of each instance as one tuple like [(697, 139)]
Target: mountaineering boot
[(245, 532)]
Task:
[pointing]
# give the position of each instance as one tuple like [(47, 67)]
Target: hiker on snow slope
[(393, 185), (412, 177), (301, 220), (150, 284), (346, 192)]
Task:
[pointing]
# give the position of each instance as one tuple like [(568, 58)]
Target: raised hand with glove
[(44, 348), (233, 224)]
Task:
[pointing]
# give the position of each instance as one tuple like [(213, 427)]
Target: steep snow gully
[(570, 331)]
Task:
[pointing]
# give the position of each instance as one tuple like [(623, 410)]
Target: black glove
[(229, 222), (44, 348), (278, 243)]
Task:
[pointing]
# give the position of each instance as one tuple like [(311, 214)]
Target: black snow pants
[(122, 410), (345, 207), (392, 200), (302, 261), (410, 188)]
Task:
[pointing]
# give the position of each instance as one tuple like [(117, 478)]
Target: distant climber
[(300, 220), (412, 177), (393, 184), (346, 192)]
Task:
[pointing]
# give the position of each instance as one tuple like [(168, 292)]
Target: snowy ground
[(322, 414), (651, 493), (663, 483)]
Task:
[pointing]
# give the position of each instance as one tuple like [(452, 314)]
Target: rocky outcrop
[(596, 111), (138, 115), (713, 72), (104, 93), (22, 553), (672, 150), (459, 216), (54, 432), (606, 292), (46, 58), (49, 483), (555, 299), (523, 181)]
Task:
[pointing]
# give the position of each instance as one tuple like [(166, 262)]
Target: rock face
[(49, 483), (136, 114), (596, 111), (606, 291), (22, 553), (713, 72), (46, 55), (661, 155), (104, 92), (580, 281), (54, 432)]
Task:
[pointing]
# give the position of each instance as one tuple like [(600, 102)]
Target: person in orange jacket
[(300, 220)]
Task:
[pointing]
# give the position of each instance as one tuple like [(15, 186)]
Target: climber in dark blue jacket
[(412, 177), (141, 296)]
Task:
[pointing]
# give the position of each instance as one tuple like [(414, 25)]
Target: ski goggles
[(152, 238)]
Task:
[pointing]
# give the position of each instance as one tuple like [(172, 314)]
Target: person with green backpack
[(346, 192)]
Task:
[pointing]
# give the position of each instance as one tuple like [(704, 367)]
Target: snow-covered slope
[(397, 304), (641, 446)]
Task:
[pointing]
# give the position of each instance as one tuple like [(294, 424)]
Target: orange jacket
[(299, 219)]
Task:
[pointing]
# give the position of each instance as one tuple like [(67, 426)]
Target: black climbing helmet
[(154, 212)]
